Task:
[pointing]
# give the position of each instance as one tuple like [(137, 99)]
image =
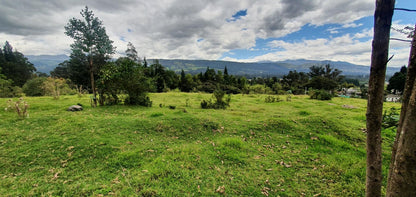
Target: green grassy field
[(299, 148)]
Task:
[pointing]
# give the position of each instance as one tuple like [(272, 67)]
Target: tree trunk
[(402, 174), (379, 58), (94, 93)]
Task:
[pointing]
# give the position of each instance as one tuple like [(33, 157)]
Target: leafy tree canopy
[(397, 81), (15, 66)]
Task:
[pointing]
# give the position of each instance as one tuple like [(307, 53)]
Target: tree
[(126, 76), (134, 82), (226, 76), (5, 86), (324, 77), (62, 70), (131, 52), (158, 73), (75, 69), (16, 66), (402, 173), (379, 58), (295, 82), (397, 81), (144, 62), (315, 71), (8, 52), (91, 38), (186, 82), (322, 83)]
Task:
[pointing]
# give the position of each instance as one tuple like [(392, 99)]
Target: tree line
[(131, 75)]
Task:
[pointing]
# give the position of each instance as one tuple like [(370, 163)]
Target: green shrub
[(56, 87), (390, 118), (320, 95), (34, 87), (219, 101), (272, 99), (289, 97), (260, 89), (141, 99)]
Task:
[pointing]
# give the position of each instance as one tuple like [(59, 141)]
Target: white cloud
[(343, 48), (366, 33), (352, 25)]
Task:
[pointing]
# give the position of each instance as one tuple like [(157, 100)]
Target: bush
[(289, 98), (272, 99), (6, 88), (20, 106), (34, 87), (141, 99), (219, 101), (260, 89), (124, 76), (207, 87), (56, 87), (320, 95), (390, 118)]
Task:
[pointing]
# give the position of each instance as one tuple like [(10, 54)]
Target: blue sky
[(307, 32), (328, 32), (235, 30)]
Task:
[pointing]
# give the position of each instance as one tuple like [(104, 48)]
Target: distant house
[(349, 93), (393, 98)]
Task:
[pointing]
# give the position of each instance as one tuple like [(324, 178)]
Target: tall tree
[(131, 52), (401, 180), (183, 85), (91, 38), (16, 66), (144, 62), (397, 81), (2, 60), (8, 52), (379, 58)]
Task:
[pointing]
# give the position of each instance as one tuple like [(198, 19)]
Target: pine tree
[(131, 52), (144, 62)]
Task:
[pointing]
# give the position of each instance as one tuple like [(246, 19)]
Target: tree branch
[(398, 39), (405, 9)]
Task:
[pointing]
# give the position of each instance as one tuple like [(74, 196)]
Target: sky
[(232, 30)]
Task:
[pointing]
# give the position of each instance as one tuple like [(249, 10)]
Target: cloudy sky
[(237, 30)]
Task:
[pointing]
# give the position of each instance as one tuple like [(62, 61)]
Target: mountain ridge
[(46, 63)]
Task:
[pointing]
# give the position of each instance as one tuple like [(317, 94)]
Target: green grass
[(303, 147)]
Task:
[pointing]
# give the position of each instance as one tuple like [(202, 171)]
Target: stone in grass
[(75, 108)]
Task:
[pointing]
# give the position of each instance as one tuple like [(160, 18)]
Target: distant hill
[(46, 63), (266, 68)]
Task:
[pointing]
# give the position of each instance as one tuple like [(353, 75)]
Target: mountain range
[(46, 63)]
